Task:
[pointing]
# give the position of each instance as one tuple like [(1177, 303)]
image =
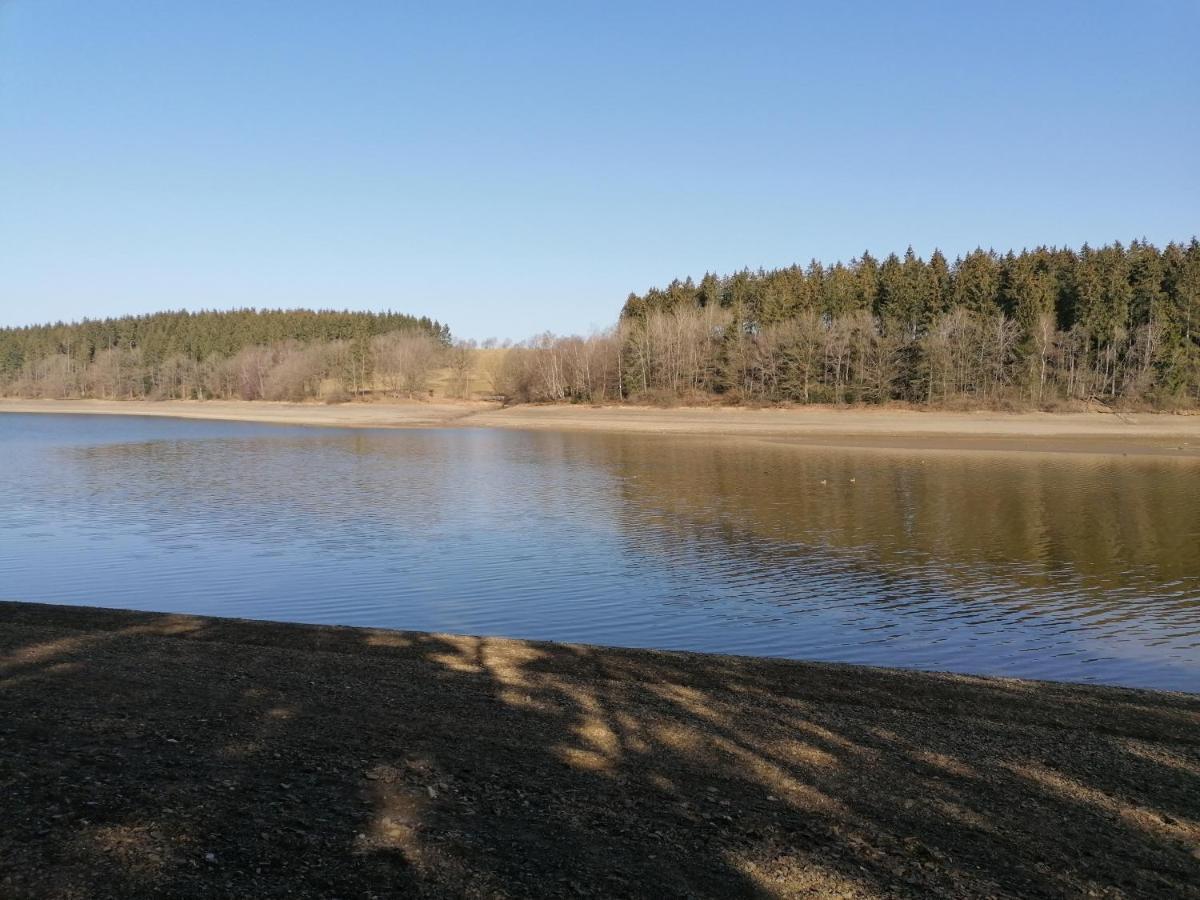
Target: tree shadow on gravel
[(145, 755)]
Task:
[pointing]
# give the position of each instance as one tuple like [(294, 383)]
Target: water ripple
[(1074, 568)]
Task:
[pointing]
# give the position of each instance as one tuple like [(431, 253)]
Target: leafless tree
[(461, 357), (404, 362)]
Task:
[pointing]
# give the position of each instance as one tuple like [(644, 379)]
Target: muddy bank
[(163, 755), (886, 428)]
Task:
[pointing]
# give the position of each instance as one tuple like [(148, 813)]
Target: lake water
[(1068, 566)]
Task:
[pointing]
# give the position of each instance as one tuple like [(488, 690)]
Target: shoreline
[(163, 754), (883, 428)]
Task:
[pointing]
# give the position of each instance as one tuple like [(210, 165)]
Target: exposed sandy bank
[(1091, 432), (148, 755), (879, 428), (344, 415)]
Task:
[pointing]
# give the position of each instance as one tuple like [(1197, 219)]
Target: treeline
[(244, 354), (1040, 328), (1036, 328)]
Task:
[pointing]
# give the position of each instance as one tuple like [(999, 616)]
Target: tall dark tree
[(1041, 326)]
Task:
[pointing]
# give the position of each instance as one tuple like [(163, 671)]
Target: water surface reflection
[(1073, 567)]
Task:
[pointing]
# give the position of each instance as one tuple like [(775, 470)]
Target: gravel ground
[(147, 755)]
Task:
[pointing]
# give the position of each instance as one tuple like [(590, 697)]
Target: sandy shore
[(147, 755), (343, 415), (1091, 432)]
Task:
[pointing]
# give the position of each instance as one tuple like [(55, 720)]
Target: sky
[(511, 168)]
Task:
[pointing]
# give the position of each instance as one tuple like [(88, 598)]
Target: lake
[(1063, 566)]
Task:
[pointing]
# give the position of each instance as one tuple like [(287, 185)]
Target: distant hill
[(183, 354)]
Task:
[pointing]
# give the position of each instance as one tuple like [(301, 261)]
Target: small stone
[(210, 858)]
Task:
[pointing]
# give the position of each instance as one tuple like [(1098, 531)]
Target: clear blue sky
[(515, 167)]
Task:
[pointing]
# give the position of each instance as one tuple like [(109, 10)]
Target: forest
[(1047, 328), (245, 354), (1043, 328)]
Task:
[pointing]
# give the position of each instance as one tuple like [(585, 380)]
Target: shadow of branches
[(159, 755)]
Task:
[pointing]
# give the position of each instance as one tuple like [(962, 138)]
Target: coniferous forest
[(1047, 328), (243, 354), (1115, 324)]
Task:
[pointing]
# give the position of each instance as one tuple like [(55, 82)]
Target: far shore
[(888, 427)]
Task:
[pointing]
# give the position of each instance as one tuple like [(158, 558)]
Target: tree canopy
[(1115, 324), (250, 353)]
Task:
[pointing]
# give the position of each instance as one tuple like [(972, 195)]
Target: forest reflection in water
[(1067, 566)]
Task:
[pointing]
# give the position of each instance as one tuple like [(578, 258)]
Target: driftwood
[(1106, 407)]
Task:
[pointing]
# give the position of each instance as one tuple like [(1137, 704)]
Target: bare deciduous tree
[(404, 362)]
